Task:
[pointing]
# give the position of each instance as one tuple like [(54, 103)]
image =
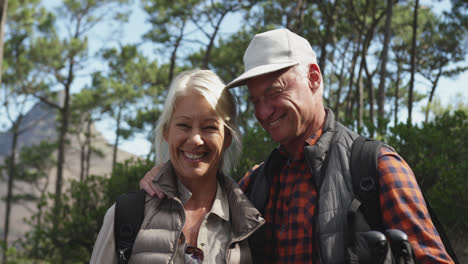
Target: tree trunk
[(431, 96), (329, 98), (11, 176), (174, 54), (329, 14), (207, 57), (365, 46), (88, 147), (3, 16), (82, 161), (295, 18), (61, 159), (413, 63), (349, 97), (340, 83), (397, 95), (360, 93), (371, 94), (117, 137), (383, 67)]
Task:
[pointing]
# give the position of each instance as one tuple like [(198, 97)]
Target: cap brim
[(257, 71)]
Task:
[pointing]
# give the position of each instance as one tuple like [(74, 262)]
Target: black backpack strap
[(129, 213), (364, 211), (441, 230), (258, 193), (364, 167)]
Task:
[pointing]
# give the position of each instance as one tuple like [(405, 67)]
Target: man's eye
[(277, 91), (274, 93)]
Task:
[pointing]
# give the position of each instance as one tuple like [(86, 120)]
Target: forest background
[(385, 66)]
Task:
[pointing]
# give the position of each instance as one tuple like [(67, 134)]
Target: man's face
[(284, 104)]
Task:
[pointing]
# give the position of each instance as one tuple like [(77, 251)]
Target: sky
[(448, 90)]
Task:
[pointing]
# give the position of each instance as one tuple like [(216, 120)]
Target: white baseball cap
[(272, 51)]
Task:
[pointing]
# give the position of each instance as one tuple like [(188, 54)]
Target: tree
[(19, 75), (128, 75), (85, 111), (169, 20), (413, 62), (35, 164), (3, 15), (77, 231), (439, 169), (61, 58), (438, 53), (383, 66)]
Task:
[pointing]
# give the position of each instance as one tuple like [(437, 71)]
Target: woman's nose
[(196, 138)]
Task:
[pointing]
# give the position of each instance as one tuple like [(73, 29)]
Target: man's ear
[(314, 77)]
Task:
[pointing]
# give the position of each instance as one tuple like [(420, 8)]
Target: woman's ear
[(165, 132), (314, 77), (227, 138)]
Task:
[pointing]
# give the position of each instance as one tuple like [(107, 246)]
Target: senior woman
[(205, 217)]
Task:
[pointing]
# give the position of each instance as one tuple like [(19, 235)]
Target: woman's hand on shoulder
[(147, 183)]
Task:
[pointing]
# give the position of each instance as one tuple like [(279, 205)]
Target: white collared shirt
[(215, 230)]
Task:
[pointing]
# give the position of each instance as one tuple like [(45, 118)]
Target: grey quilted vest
[(157, 240), (329, 162)]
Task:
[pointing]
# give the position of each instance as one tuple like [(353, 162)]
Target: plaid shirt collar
[(308, 142)]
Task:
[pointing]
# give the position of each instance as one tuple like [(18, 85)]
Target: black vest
[(329, 163)]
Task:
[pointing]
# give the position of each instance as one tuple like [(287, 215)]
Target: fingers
[(159, 193), (147, 185)]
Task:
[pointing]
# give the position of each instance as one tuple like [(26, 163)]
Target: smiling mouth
[(193, 156), (274, 123)]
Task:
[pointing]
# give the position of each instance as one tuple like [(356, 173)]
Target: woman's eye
[(211, 128), (182, 125)]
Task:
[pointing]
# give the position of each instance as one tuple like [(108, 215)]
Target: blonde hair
[(211, 87)]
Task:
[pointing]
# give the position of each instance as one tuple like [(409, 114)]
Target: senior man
[(296, 194)]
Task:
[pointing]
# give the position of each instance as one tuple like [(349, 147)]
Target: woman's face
[(196, 138)]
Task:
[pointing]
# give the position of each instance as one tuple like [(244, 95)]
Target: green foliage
[(129, 78), (17, 257), (32, 167), (126, 177), (257, 145), (84, 206), (437, 152)]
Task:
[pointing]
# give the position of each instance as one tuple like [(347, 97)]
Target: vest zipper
[(179, 232), (317, 256)]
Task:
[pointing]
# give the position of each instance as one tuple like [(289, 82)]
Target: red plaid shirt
[(290, 210)]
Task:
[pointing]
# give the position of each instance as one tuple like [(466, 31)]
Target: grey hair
[(211, 87)]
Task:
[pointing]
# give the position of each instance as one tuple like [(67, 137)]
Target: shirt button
[(202, 244)]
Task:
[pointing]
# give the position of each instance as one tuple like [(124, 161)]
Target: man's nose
[(263, 110)]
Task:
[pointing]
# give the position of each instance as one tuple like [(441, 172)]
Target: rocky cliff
[(39, 124)]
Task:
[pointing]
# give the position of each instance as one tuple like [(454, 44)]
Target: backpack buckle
[(367, 184), (123, 253)]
